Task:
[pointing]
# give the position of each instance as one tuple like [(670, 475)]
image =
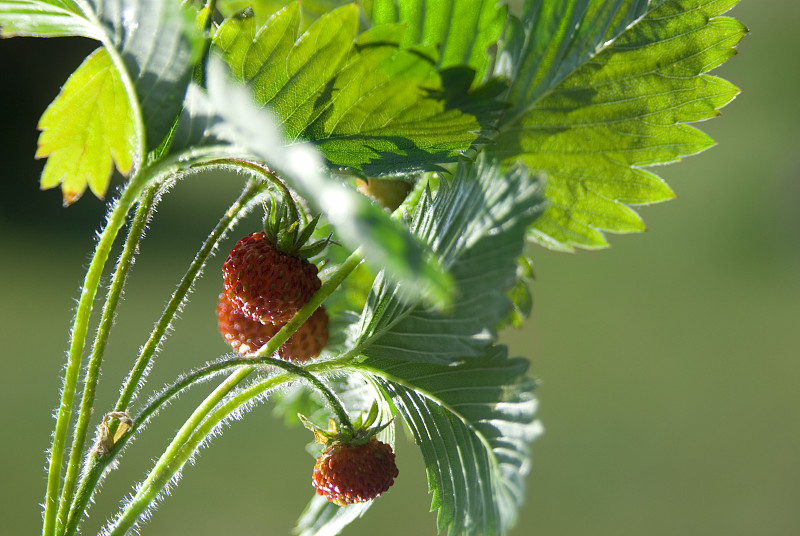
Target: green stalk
[(181, 447), (143, 213), (142, 364), (266, 174), (115, 220), (158, 480), (80, 326), (252, 189)]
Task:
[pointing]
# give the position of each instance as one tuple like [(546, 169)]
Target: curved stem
[(115, 221), (181, 447), (143, 213), (266, 174), (143, 362)]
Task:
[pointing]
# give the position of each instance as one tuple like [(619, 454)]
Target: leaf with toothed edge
[(473, 422), (370, 105), (600, 91), (158, 44), (462, 32), (476, 225), (87, 129)]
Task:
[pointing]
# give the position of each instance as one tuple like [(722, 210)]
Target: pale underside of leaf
[(473, 423), (618, 110), (476, 226), (87, 126)]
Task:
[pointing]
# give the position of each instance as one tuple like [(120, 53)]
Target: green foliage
[(154, 58), (311, 9), (473, 421), (427, 361), (367, 103), (460, 32), (87, 125), (591, 111), (476, 226), (158, 53), (507, 126), (44, 18)]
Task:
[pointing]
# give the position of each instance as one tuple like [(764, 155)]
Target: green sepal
[(362, 432), (283, 230)]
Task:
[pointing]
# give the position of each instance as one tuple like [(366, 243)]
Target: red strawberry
[(347, 474), (265, 284), (246, 335)]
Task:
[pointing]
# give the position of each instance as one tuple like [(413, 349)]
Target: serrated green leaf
[(593, 109), (264, 9), (87, 126), (159, 51), (368, 104), (552, 39), (157, 42), (44, 18), (473, 423), (476, 226), (461, 31), (230, 115)]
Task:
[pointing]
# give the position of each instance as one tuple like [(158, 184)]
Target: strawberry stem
[(80, 326), (135, 233), (195, 429), (266, 174), (143, 362)]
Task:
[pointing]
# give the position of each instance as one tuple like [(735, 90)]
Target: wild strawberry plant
[(409, 150)]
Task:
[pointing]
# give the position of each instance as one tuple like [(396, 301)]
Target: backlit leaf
[(368, 104), (156, 43), (87, 126), (462, 32), (44, 18), (601, 92)]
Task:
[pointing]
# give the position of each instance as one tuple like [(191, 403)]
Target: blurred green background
[(669, 363)]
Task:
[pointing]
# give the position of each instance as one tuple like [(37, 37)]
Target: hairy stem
[(143, 213), (132, 382), (250, 192), (80, 326), (266, 174), (189, 436)]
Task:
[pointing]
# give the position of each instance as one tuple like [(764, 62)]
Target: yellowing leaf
[(89, 124)]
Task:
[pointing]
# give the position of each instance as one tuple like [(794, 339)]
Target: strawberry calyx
[(283, 229), (354, 466), (359, 432)]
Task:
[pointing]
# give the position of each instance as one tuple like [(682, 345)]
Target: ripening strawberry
[(266, 284), (352, 473), (354, 465), (246, 335)]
